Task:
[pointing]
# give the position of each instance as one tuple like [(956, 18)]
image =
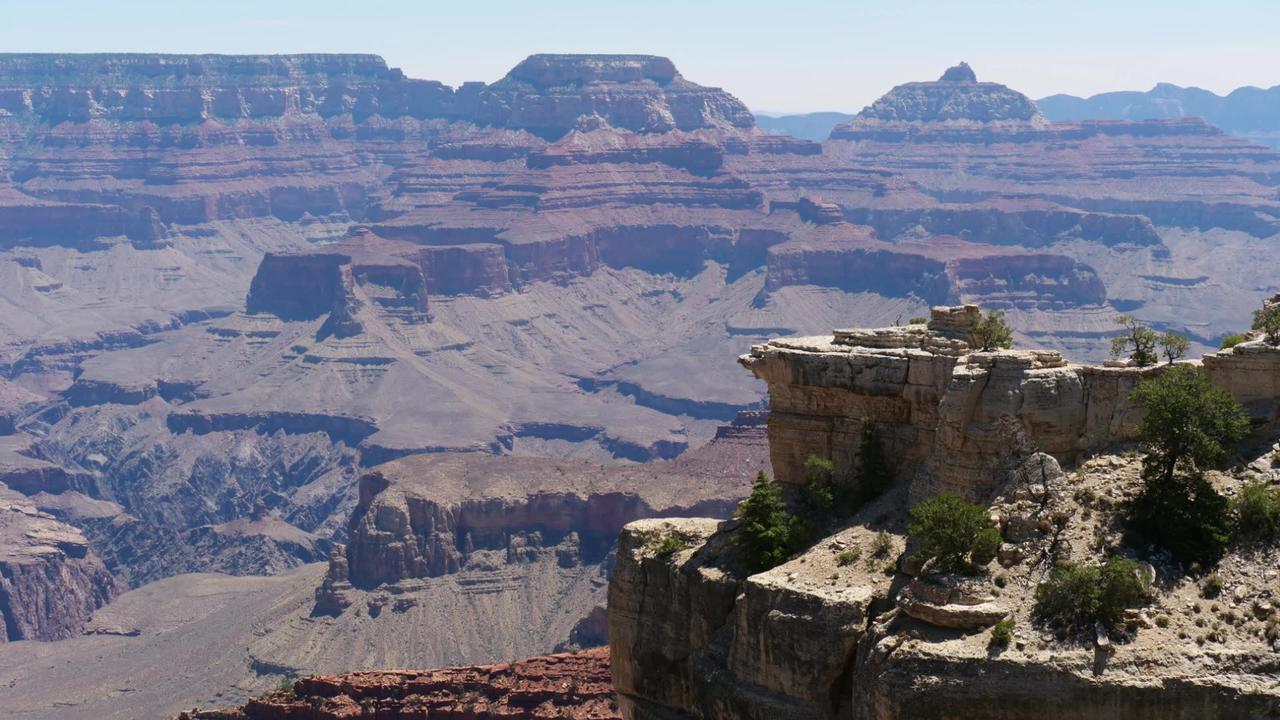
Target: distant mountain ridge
[(815, 126), (1249, 112)]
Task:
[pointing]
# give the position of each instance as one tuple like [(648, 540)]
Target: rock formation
[(493, 520), (240, 282), (570, 686), (855, 626), (50, 581)]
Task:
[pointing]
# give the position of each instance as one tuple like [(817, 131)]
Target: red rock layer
[(574, 686)]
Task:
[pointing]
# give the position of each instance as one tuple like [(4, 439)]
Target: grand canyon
[(330, 392)]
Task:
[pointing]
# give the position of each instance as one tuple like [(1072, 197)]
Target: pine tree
[(766, 526)]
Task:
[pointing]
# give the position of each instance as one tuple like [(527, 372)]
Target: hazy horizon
[(847, 54)]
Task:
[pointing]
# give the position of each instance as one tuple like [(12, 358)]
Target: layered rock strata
[(949, 416), (569, 686), (426, 516), (50, 581)]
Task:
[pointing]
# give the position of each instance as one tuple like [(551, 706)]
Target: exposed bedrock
[(50, 581), (1009, 224), (877, 270), (937, 270), (950, 417), (694, 635), (401, 530), (544, 93), (297, 287), (25, 221), (556, 687), (350, 430)]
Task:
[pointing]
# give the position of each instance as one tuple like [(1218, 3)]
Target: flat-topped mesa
[(550, 70), (547, 94)]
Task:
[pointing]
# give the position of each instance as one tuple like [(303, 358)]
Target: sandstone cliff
[(855, 627)]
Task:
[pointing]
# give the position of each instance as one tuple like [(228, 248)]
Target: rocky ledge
[(571, 686)]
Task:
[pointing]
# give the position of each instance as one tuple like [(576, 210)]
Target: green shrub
[(1189, 426), (767, 528), (849, 557), (918, 320), (1077, 596), (1138, 341), (1184, 515), (1231, 341), (1001, 634), (985, 546), (991, 332), (882, 545), (1267, 320), (874, 475), (949, 529), (670, 544), (1211, 587), (1257, 510)]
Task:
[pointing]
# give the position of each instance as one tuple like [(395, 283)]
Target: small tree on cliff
[(1267, 321), (767, 527), (1138, 340), (1189, 427), (1173, 346), (991, 332)]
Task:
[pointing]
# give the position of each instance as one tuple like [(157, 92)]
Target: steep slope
[(50, 581)]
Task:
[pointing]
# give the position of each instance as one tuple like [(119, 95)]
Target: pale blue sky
[(788, 55)]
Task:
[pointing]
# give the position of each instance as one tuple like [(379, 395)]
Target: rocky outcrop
[(50, 581), (941, 270), (568, 686), (426, 516), (546, 94), (956, 96), (1249, 371), (843, 630), (951, 417)]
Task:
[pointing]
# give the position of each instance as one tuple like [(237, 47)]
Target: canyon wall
[(50, 581), (951, 418), (855, 627)]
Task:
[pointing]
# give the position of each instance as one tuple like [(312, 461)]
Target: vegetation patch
[(955, 533), (1076, 596)]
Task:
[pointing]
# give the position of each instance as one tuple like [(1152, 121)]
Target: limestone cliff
[(855, 627)]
